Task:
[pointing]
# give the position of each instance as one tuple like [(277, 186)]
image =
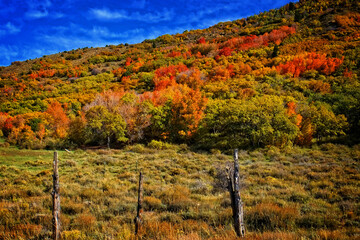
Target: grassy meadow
[(292, 193)]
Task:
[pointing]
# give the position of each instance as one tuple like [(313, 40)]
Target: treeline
[(177, 114)]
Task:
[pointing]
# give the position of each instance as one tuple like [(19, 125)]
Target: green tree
[(77, 133), (103, 126), (325, 122), (236, 123)]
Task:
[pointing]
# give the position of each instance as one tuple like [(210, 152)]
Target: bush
[(85, 221), (311, 221), (159, 145), (152, 203), (5, 145), (71, 208), (72, 235), (268, 216), (176, 198)]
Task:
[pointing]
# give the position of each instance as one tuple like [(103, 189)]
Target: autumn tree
[(259, 122), (136, 116), (321, 122), (77, 130), (315, 61), (58, 120), (129, 106), (104, 126), (5, 124), (187, 110), (193, 78), (165, 76), (21, 134)]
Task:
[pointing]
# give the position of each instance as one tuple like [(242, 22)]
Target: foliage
[(103, 126), (286, 76), (259, 122)]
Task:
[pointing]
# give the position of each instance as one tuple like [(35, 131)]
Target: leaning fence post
[(56, 200), (138, 219), (236, 203)]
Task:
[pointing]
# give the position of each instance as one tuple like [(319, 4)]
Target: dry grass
[(294, 193)]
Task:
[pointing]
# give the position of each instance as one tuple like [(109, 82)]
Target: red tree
[(59, 121)]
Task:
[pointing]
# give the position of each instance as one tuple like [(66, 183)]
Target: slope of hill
[(287, 76), (270, 83)]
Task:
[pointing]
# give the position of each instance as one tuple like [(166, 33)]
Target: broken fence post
[(138, 219), (56, 200), (236, 203)]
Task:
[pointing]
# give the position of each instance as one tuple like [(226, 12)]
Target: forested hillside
[(286, 76), (269, 85)]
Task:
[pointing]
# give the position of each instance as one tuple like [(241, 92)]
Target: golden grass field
[(292, 193)]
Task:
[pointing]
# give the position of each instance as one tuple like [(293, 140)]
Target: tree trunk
[(56, 200), (236, 203), (138, 219)]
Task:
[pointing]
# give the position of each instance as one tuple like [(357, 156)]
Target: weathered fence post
[(236, 203), (56, 200), (138, 219)]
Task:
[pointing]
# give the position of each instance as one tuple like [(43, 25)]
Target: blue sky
[(32, 28)]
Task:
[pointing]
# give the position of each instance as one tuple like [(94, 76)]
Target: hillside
[(282, 86), (286, 76)]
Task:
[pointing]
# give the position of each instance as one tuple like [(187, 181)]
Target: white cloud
[(8, 28), (75, 36), (12, 28), (105, 14), (8, 53), (38, 9), (34, 14), (36, 4)]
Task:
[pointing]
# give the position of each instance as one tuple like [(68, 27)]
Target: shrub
[(85, 221), (153, 203), (159, 145), (268, 216), (170, 217), (72, 235), (158, 230), (71, 208), (5, 145), (311, 221), (176, 198), (298, 197)]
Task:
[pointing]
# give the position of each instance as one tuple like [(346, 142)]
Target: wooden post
[(56, 200), (138, 219), (236, 203)]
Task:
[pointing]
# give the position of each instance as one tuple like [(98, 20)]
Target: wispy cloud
[(8, 54), (37, 9), (105, 14), (12, 28), (75, 36), (33, 14), (9, 28), (105, 33), (207, 12)]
